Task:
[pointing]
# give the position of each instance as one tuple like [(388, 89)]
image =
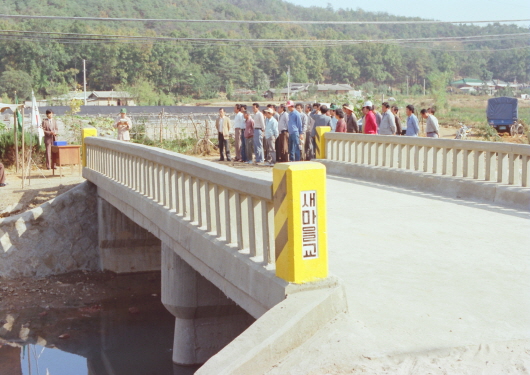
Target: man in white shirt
[(271, 133), (432, 129), (282, 144), (239, 127), (259, 128), (388, 122)]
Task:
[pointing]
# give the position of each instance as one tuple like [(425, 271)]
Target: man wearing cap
[(282, 145), (272, 107), (271, 133), (123, 124), (50, 128), (388, 123), (222, 124), (295, 132), (259, 128), (351, 119), (369, 123)]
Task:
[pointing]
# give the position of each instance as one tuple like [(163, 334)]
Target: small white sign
[(308, 205)]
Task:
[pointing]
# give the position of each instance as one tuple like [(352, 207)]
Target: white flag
[(35, 117)]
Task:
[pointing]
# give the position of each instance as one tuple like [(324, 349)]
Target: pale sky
[(445, 10)]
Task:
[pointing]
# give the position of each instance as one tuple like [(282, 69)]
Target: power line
[(272, 42), (422, 22)]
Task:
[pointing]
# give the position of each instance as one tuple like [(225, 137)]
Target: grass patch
[(183, 146)]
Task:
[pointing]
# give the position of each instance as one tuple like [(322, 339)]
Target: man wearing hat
[(123, 124), (369, 123), (295, 131), (351, 119), (271, 133)]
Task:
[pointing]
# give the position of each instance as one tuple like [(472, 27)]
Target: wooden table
[(66, 155)]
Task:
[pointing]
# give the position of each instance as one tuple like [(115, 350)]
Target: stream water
[(107, 337)]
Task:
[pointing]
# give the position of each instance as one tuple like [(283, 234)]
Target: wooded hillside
[(171, 70)]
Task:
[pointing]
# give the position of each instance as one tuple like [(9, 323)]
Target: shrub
[(488, 133)]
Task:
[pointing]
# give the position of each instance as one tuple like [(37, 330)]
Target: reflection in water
[(36, 359), (108, 338)]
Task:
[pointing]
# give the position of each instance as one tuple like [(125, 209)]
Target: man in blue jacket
[(413, 128), (295, 131)]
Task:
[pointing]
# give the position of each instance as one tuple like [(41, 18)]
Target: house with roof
[(110, 98), (335, 89), (281, 94), (320, 89)]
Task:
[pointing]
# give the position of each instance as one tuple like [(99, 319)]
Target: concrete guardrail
[(503, 163)]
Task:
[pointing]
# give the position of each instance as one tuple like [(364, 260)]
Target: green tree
[(16, 80), (438, 82)]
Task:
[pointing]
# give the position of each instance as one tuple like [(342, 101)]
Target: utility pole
[(15, 123), (84, 79), (424, 87), (288, 82), (407, 85)]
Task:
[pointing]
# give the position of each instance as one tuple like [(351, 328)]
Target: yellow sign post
[(87, 132), (300, 230), (320, 142)]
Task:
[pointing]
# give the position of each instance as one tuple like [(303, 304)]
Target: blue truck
[(502, 113)]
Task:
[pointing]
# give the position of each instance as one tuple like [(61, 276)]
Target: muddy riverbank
[(94, 323)]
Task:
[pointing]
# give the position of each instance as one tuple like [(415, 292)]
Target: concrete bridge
[(410, 232)]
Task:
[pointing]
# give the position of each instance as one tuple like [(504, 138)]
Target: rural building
[(470, 85), (336, 89), (110, 98), (320, 89), (100, 98)]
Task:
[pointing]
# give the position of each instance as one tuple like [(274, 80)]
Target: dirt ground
[(75, 289), (41, 186)]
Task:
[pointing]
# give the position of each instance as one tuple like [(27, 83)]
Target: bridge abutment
[(205, 319), (124, 246)]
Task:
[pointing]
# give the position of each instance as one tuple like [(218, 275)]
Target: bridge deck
[(422, 273)]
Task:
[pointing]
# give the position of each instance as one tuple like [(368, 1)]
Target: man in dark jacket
[(351, 119), (49, 125)]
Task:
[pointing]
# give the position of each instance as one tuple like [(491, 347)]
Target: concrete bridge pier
[(124, 245), (205, 319)]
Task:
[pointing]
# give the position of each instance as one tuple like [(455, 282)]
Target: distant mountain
[(163, 72)]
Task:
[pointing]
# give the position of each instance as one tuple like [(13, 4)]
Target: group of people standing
[(279, 133), (287, 132), (389, 123)]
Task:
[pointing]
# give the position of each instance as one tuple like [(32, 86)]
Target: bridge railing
[(487, 161), (235, 207)]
